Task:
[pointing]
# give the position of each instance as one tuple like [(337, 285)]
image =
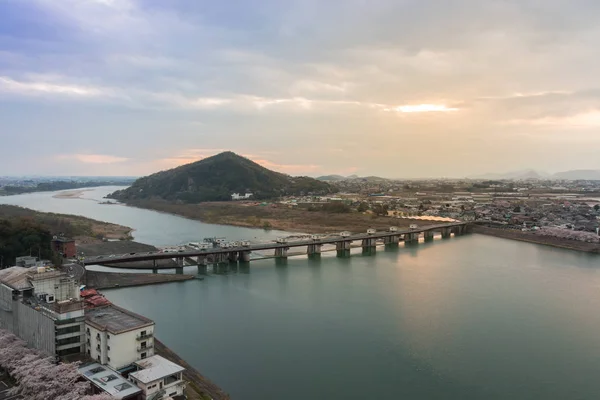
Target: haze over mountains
[(579, 174)]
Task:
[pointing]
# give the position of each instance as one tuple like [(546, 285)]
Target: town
[(115, 350)]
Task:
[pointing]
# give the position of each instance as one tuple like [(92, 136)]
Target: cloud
[(299, 77), (419, 108), (35, 88), (92, 158)]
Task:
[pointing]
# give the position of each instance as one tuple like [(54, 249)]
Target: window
[(98, 358), (143, 355), (143, 345), (107, 336), (108, 359), (87, 331), (143, 333), (108, 348)]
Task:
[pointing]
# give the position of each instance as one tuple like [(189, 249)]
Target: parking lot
[(5, 386)]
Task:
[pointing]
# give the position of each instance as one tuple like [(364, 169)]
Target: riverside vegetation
[(24, 231)]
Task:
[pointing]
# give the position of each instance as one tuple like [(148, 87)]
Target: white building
[(237, 196), (105, 380), (158, 378), (43, 307), (117, 337)]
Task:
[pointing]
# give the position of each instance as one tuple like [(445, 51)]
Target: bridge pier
[(394, 239), (244, 256), (366, 243), (155, 270), (428, 235), (446, 233), (313, 249), (411, 237), (179, 270), (343, 253), (232, 256), (369, 251), (201, 260), (343, 245), (281, 252), (202, 269)]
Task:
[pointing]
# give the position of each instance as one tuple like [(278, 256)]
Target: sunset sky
[(394, 88)]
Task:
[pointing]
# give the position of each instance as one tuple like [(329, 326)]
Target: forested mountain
[(216, 178)]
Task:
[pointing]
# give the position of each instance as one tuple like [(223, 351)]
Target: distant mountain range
[(216, 178), (337, 178), (580, 174)]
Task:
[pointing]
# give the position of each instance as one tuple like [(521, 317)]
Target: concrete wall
[(7, 311), (35, 328)]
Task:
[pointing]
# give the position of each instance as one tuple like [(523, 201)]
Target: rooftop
[(109, 381), (155, 367), (115, 319), (16, 277)]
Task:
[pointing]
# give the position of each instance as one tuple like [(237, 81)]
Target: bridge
[(343, 244)]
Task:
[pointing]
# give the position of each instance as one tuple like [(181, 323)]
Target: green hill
[(215, 179)]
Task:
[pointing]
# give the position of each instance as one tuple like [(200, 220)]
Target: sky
[(395, 88)]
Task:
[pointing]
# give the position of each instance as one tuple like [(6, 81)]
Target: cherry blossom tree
[(569, 234), (38, 377)]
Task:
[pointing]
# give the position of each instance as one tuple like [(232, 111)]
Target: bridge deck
[(107, 260)]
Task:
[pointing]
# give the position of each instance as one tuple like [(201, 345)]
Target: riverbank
[(83, 230), (275, 216), (531, 237)]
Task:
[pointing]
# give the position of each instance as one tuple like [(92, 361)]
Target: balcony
[(144, 348), (144, 336)]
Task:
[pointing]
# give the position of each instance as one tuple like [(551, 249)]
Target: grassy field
[(83, 230), (279, 217)]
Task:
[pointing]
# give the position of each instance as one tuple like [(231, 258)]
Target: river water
[(472, 317)]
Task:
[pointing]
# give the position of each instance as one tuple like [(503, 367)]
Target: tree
[(38, 377), (517, 209), (362, 207)]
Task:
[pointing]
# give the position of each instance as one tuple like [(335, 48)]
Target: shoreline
[(276, 217), (71, 194), (574, 245)]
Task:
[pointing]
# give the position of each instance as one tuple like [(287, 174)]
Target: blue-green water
[(472, 317)]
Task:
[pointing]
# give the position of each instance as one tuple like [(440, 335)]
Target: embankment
[(537, 239), (107, 280), (123, 247)]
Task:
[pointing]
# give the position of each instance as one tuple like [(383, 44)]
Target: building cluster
[(49, 309), (526, 205)]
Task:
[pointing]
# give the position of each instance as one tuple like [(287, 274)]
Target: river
[(472, 317)]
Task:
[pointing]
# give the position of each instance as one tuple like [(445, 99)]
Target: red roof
[(96, 301), (89, 292)]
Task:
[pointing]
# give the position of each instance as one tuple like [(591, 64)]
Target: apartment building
[(117, 337), (42, 306)]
